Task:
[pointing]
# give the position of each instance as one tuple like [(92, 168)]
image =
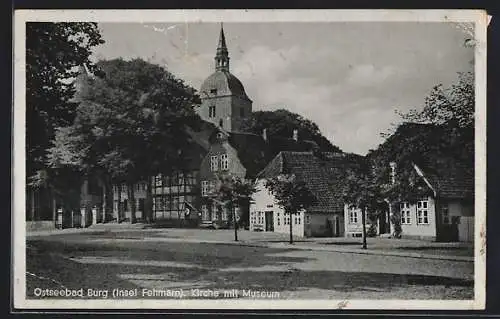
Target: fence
[(466, 229)]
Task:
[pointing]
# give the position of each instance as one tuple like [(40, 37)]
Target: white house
[(323, 176)]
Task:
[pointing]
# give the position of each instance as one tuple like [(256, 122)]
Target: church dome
[(222, 82)]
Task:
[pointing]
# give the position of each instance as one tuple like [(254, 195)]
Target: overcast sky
[(348, 77)]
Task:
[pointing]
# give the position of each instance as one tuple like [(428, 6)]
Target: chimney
[(393, 172), (295, 135), (264, 134)]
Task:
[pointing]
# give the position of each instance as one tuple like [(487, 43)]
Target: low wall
[(39, 225)]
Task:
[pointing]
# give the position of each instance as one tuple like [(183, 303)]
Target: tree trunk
[(107, 202), (131, 200), (363, 221), (291, 228), (32, 204), (148, 204), (119, 208), (54, 207), (235, 223)]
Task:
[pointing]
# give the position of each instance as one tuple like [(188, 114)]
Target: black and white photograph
[(249, 159)]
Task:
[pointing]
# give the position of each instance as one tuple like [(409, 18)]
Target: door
[(336, 226), (269, 221), (384, 226), (141, 206)]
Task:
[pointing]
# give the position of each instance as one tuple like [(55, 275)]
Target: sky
[(347, 77)]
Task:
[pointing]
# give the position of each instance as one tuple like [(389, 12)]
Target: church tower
[(224, 101)]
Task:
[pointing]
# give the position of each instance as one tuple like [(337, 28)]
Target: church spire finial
[(222, 55)]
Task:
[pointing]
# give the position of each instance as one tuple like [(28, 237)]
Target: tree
[(236, 192), (363, 191), (282, 123), (131, 124), (53, 52), (291, 194), (452, 109)]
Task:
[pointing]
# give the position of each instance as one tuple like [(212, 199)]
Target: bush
[(372, 230), (396, 221)]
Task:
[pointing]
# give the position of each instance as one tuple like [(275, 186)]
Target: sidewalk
[(376, 246), (97, 228)]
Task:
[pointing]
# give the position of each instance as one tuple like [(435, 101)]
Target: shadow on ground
[(49, 261)]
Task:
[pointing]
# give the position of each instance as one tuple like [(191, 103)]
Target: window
[(214, 163), (175, 202), (180, 179), (445, 213), (224, 161), (213, 91), (308, 219), (221, 123), (278, 219), (224, 213), (405, 213), (242, 112), (192, 178), (353, 216), (158, 180), (204, 212), (298, 219), (422, 212), (211, 187), (204, 188), (211, 111)]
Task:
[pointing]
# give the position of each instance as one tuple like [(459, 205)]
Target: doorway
[(269, 221)]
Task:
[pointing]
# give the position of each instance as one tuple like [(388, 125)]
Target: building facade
[(323, 174)]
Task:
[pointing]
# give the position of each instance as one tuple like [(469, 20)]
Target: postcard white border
[(478, 17)]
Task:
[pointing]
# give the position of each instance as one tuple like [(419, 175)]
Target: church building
[(220, 146), (224, 100)]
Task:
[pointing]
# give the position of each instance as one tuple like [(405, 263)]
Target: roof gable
[(450, 178)]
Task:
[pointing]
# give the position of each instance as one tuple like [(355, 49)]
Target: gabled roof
[(448, 176), (202, 135), (450, 179), (323, 174)]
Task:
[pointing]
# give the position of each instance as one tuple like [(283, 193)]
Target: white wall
[(421, 230), (297, 223), (264, 201), (353, 228)]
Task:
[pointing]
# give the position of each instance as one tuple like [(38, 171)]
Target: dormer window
[(211, 111)]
